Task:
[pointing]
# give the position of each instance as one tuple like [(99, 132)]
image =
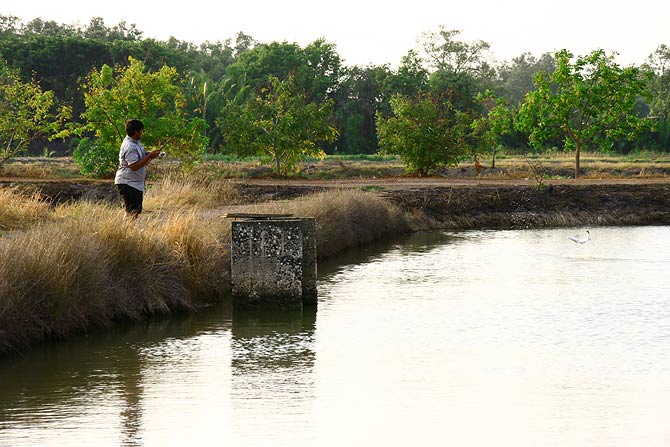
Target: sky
[(382, 31)]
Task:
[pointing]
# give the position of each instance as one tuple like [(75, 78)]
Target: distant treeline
[(60, 57)]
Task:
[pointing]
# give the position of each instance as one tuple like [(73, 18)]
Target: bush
[(94, 158)]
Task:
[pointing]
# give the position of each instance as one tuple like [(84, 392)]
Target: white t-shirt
[(131, 151)]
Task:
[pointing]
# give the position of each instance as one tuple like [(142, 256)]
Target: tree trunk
[(277, 166), (577, 167)]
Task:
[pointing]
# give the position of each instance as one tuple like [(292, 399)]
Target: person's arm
[(143, 161)]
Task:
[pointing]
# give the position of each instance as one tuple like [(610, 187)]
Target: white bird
[(581, 239)]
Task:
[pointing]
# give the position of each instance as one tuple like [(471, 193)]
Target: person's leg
[(132, 199)]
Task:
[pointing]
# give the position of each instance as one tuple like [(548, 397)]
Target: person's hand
[(153, 154)]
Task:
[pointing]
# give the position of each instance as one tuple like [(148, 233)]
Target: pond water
[(480, 338)]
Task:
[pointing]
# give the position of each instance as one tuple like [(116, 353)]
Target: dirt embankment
[(509, 206), (441, 203)]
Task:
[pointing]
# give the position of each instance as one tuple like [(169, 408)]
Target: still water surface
[(485, 338)]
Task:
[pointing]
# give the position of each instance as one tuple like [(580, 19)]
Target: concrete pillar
[(273, 262), (309, 292)]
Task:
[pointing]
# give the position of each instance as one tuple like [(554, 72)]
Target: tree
[(322, 71), (589, 102), (491, 127), (460, 69), (280, 122), (361, 93), (112, 96), (8, 24), (59, 57), (516, 77), (411, 77), (28, 112), (315, 68), (445, 53), (427, 132), (659, 63)]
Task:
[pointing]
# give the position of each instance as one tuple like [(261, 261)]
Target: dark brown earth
[(448, 202)]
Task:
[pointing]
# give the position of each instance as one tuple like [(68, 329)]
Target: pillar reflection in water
[(272, 367)]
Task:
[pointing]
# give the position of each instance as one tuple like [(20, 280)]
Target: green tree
[(426, 132), (493, 126), (361, 93), (27, 113), (590, 102), (410, 78), (280, 122), (59, 57), (315, 68), (112, 96)]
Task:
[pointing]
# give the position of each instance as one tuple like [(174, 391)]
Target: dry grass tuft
[(18, 211), (345, 218), (176, 192), (202, 251), (90, 267)]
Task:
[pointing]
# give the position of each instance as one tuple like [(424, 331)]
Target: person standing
[(132, 172)]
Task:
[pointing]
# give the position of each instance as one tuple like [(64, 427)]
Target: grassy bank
[(75, 268), (72, 268)]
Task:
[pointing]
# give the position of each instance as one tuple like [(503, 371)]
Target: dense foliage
[(426, 133), (28, 112), (588, 100), (114, 95), (279, 121), (222, 81)]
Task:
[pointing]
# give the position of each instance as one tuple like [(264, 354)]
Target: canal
[(477, 338)]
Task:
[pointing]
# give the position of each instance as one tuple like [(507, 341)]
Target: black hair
[(133, 126)]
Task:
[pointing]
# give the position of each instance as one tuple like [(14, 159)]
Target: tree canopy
[(426, 132), (281, 122), (589, 101), (216, 80), (28, 112), (114, 95)]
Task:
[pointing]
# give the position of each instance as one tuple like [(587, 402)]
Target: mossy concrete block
[(268, 263)]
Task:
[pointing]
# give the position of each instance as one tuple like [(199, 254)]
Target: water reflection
[(510, 338), (272, 363), (58, 390), (270, 340)]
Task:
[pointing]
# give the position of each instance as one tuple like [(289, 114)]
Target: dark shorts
[(132, 198)]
